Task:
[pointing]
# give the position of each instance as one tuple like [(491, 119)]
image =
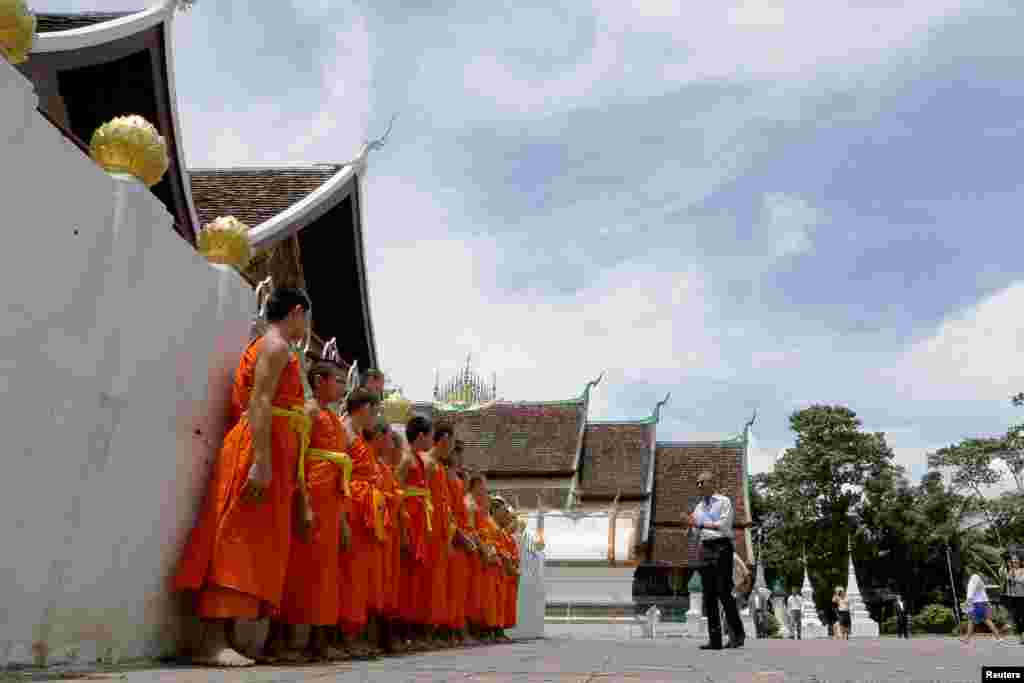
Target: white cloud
[(435, 299), (974, 355), (789, 221), (331, 131), (709, 41)]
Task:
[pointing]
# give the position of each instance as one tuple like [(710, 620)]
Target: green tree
[(819, 485)]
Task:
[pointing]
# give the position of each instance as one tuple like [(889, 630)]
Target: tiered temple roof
[(305, 221), (548, 454)]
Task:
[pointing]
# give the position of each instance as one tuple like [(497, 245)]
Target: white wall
[(608, 585), (118, 346)]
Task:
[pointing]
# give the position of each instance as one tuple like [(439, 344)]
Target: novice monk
[(459, 586), (510, 549), (475, 607), (237, 553), (440, 542), (360, 564), (389, 449), (416, 575), (312, 586)]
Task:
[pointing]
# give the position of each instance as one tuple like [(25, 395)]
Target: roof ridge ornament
[(590, 385), (359, 163), (656, 416)]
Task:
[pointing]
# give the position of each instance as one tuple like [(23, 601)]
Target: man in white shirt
[(978, 608), (712, 520), (902, 619), (795, 609)]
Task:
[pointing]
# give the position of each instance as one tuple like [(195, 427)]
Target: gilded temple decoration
[(17, 30), (130, 145), (467, 390), (225, 240)]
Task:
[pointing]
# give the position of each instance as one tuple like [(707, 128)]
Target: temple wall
[(532, 594), (119, 343)]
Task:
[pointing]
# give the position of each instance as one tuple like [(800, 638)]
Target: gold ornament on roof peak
[(17, 30), (396, 408), (130, 145), (225, 240)]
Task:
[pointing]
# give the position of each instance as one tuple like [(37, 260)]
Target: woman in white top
[(978, 608), (1015, 581)]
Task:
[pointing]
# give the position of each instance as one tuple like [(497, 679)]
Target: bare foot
[(222, 658), (336, 654)]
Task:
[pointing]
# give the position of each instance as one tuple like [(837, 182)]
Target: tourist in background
[(842, 605), (1015, 590), (902, 619), (795, 608), (979, 611), (712, 519)]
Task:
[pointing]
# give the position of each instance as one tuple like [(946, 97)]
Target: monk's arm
[(403, 469), (271, 363)]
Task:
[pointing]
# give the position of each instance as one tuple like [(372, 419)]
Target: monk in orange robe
[(500, 587), (360, 563), (459, 581), (389, 449), (416, 577), (477, 560), (487, 529), (510, 552), (237, 554), (443, 531), (312, 586)]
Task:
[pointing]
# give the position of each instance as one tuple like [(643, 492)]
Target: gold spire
[(17, 30)]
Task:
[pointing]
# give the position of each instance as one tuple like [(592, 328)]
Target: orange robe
[(459, 585), (392, 547), (237, 553), (511, 583), (440, 547), (415, 577), (489, 598), (361, 564), (475, 606), (312, 587)]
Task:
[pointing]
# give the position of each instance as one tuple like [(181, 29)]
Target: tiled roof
[(254, 195), (616, 457), (518, 438), (49, 23), (526, 499), (675, 491)]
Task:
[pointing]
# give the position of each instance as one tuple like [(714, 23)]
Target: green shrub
[(772, 625), (888, 627), (932, 619)]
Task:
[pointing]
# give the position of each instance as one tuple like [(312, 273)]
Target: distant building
[(606, 496)]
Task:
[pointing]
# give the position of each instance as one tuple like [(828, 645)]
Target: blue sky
[(753, 205)]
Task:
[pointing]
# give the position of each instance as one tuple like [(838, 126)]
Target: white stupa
[(810, 625), (861, 623)]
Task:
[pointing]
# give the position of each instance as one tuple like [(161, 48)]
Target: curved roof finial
[(751, 422), (659, 406), (371, 146), (590, 385)]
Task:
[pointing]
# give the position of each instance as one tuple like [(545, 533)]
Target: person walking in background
[(902, 619), (842, 604), (979, 611), (1015, 591), (795, 608), (712, 519)]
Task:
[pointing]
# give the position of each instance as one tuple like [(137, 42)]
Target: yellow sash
[(342, 460), (303, 425), (417, 492)]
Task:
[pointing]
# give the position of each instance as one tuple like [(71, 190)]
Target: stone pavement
[(561, 660)]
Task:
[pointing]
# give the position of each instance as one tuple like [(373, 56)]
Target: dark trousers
[(1016, 605), (796, 623), (902, 625), (716, 578)]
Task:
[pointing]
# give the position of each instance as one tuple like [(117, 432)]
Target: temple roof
[(617, 457), (527, 438), (677, 465), (48, 23), (254, 195)]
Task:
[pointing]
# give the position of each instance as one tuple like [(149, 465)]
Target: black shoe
[(709, 646), (734, 644)]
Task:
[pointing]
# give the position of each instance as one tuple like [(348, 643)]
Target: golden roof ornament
[(17, 30), (225, 240), (396, 408), (130, 145)]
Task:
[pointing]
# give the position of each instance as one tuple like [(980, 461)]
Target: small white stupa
[(861, 623), (810, 625)]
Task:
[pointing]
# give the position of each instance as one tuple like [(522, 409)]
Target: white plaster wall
[(119, 342), (606, 585)]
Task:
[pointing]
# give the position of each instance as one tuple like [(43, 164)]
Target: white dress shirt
[(720, 511)]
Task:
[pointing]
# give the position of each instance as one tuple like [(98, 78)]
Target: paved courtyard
[(563, 659)]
